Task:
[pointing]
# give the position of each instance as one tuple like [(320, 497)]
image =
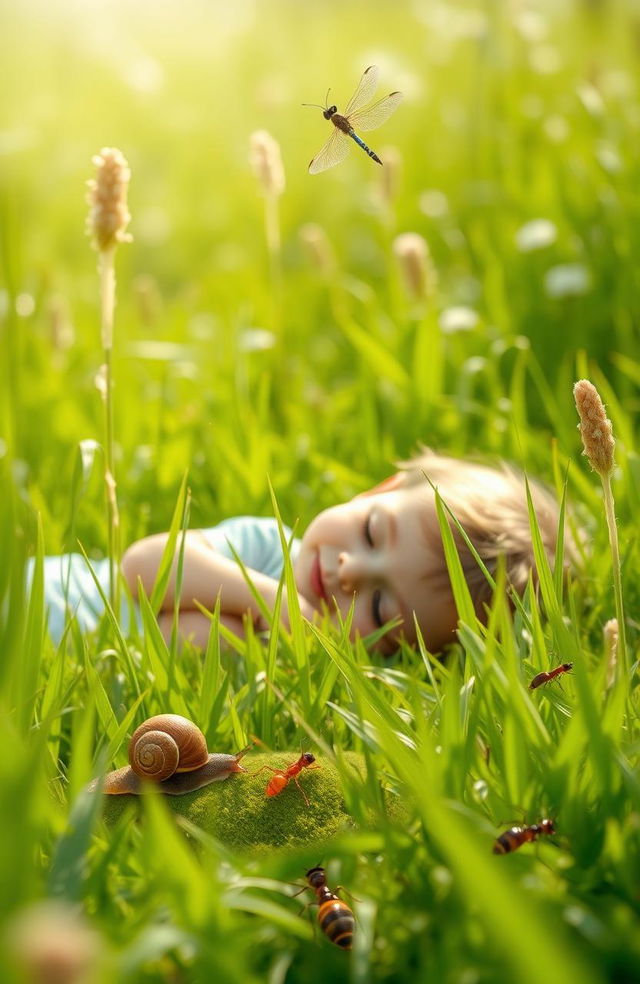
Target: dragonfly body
[(345, 127), (354, 118)]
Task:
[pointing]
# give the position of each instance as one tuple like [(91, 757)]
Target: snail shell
[(170, 750), (165, 744)]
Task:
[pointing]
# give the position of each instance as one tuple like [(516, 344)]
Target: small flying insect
[(335, 918), (282, 777), (354, 117), (541, 678), (515, 837)]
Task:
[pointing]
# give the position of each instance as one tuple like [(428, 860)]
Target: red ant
[(515, 837), (282, 777), (550, 675)]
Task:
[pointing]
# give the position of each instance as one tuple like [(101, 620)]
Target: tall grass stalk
[(420, 282), (107, 295), (599, 444), (107, 221), (266, 161)]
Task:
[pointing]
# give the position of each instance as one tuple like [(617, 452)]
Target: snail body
[(171, 751)]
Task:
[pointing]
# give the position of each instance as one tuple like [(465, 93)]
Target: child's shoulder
[(259, 526), (254, 539)]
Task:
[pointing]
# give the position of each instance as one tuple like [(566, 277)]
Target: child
[(381, 551)]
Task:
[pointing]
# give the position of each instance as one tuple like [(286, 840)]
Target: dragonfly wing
[(334, 151), (376, 115), (366, 88)]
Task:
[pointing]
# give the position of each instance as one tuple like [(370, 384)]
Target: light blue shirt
[(70, 589)]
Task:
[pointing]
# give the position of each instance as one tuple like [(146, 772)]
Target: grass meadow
[(278, 343)]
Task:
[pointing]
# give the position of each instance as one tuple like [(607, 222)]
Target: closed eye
[(367, 530), (375, 609)]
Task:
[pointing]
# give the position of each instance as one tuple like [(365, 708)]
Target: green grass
[(509, 118)]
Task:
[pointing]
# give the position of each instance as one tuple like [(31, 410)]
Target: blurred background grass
[(513, 113), (517, 160)]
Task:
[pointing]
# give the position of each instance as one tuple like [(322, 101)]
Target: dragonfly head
[(329, 111)]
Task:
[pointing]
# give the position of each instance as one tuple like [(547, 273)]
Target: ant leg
[(304, 795), (314, 921), (306, 905), (299, 892), (262, 768), (345, 891)]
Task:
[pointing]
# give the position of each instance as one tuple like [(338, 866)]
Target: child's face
[(375, 549)]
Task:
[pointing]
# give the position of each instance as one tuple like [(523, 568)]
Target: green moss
[(238, 812)]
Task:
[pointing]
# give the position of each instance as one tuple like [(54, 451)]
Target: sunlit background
[(514, 154)]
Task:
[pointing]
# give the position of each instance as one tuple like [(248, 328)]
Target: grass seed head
[(414, 258), (108, 213), (390, 174), (595, 428), (319, 249), (266, 162)]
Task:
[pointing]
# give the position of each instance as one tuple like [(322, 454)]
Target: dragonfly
[(354, 117)]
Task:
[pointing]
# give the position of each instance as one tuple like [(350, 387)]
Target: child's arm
[(205, 575), (195, 626)]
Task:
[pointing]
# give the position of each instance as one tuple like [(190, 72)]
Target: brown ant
[(541, 678), (515, 837), (335, 918)]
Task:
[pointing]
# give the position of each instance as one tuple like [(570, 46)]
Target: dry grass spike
[(109, 214), (595, 427)]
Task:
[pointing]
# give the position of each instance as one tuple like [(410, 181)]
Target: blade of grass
[(115, 626), (164, 567), (28, 669)]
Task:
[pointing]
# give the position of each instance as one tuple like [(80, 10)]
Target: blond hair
[(490, 504)]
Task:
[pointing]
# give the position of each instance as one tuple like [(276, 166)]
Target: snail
[(172, 751)]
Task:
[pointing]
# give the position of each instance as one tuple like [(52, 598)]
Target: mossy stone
[(238, 812)]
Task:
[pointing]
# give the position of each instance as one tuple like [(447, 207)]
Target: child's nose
[(351, 572)]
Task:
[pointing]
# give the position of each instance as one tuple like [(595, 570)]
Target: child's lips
[(317, 584)]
